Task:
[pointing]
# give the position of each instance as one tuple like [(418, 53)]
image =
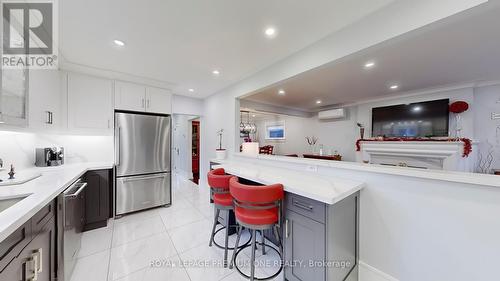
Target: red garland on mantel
[(467, 142)]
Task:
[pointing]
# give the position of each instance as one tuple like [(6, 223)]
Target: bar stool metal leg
[(236, 246), (226, 245), (216, 219), (252, 259), (263, 240)]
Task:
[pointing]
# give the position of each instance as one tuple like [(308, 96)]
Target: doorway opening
[(186, 146), (195, 150)]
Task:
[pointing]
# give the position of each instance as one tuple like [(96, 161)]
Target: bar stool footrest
[(231, 248), (268, 246)]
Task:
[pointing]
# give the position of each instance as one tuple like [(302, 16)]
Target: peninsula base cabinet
[(29, 253), (321, 240)]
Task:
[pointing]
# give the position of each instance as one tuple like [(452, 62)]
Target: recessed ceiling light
[(191, 90), (369, 64), (417, 108), (253, 115), (318, 102), (394, 87), (270, 32), (281, 92), (215, 72), (119, 43)]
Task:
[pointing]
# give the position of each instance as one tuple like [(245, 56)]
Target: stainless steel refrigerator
[(142, 161)]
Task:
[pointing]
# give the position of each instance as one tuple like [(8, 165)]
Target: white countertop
[(449, 176), (41, 191), (327, 190)]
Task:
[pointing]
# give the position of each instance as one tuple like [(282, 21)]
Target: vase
[(220, 154), (361, 133), (458, 126)]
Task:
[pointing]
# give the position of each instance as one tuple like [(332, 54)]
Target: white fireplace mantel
[(427, 155)]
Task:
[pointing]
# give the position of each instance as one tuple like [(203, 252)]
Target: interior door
[(142, 144)]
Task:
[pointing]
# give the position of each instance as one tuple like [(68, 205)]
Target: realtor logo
[(29, 34)]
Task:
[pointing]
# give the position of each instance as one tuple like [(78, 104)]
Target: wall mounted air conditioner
[(337, 113)]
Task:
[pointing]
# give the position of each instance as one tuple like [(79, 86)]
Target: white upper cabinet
[(90, 103), (14, 97), (45, 100), (135, 97), (130, 96), (158, 100)]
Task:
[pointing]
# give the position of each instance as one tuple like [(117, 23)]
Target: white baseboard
[(370, 273)]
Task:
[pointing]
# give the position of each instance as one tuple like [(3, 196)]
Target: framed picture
[(275, 131)]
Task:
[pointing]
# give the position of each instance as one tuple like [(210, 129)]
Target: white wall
[(18, 148), (486, 130), (187, 105)]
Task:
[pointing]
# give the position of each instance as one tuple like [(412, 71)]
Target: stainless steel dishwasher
[(71, 220)]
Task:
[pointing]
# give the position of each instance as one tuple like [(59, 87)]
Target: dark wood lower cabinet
[(37, 260), (97, 198)]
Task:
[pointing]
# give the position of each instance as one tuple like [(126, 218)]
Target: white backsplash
[(18, 148)]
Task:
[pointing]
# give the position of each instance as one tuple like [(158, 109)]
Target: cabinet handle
[(27, 270), (302, 206), (118, 140), (143, 103), (38, 257), (147, 103), (49, 118), (286, 229)]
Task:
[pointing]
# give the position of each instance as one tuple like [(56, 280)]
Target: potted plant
[(220, 153)]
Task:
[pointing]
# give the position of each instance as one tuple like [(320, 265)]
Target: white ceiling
[(462, 48), (180, 42)]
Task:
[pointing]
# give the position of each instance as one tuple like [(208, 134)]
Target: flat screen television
[(422, 119)]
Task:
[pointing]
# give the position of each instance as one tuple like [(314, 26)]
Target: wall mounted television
[(415, 120)]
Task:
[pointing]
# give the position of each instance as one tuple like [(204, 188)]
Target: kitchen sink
[(6, 203), (20, 179)]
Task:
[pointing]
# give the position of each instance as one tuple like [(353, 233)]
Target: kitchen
[(123, 161)]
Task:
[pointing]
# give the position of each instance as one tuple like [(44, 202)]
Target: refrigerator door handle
[(144, 178), (118, 140)]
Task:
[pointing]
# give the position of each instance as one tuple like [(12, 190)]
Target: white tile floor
[(163, 244)]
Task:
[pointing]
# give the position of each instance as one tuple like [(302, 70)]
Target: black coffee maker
[(49, 156)]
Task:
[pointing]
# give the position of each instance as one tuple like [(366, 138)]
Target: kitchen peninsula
[(323, 211)]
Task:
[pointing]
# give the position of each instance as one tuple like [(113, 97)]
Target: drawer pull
[(38, 257), (286, 229), (27, 265), (303, 206), (144, 178)]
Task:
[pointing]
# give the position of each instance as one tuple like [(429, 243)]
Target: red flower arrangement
[(459, 107)]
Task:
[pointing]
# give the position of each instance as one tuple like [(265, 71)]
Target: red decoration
[(467, 142), (459, 107)]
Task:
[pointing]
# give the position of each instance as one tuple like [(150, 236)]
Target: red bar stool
[(219, 188), (257, 208)]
